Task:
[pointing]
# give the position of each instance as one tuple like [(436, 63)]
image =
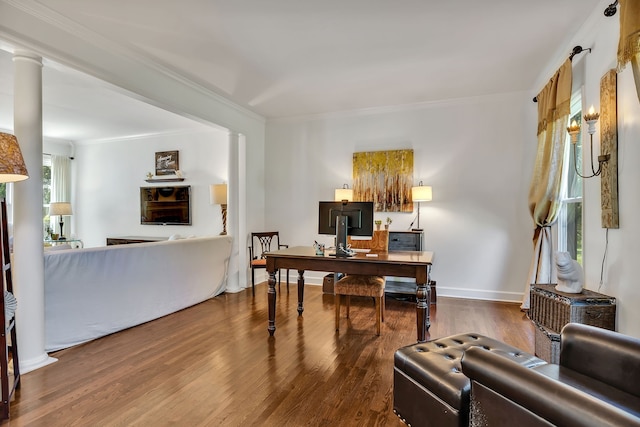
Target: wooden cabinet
[(125, 240), (406, 241)]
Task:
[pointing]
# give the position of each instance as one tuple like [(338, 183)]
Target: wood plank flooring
[(214, 364)]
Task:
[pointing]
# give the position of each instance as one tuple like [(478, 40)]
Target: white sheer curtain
[(60, 182)]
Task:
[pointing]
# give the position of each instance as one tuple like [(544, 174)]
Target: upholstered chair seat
[(364, 285)]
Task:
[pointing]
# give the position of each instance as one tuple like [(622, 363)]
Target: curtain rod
[(49, 154), (576, 50)]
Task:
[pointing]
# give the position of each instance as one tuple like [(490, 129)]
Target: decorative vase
[(386, 226), (378, 226)]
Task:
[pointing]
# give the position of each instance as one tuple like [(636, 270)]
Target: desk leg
[(300, 292), (271, 295), (423, 296)]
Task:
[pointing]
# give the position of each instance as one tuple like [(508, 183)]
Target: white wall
[(477, 154), (109, 175), (619, 276)]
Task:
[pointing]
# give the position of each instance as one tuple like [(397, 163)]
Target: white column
[(28, 264), (233, 280)]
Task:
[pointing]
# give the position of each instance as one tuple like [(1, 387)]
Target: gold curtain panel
[(629, 44)]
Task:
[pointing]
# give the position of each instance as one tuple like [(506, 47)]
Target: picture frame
[(167, 162), (385, 178)]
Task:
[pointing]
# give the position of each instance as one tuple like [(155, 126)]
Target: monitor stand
[(342, 227)]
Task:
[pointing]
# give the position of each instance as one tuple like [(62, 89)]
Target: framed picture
[(167, 162), (384, 178)]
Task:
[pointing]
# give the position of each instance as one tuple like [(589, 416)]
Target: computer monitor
[(344, 219)]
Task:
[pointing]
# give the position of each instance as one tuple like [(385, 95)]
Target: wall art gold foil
[(385, 178), (609, 145)]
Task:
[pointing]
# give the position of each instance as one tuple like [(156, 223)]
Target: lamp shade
[(422, 193), (60, 208), (12, 167), (344, 193), (218, 194)]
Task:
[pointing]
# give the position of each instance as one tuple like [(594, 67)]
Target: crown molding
[(390, 109)]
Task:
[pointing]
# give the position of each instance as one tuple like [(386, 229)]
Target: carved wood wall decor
[(385, 178), (609, 145)]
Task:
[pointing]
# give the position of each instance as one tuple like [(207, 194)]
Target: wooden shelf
[(165, 180)]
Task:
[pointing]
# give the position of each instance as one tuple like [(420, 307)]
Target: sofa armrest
[(604, 355), (549, 399)]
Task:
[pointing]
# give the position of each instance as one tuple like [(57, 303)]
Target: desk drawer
[(405, 241)]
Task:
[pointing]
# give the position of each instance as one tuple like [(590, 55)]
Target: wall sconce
[(12, 167), (421, 193), (574, 129), (218, 196), (344, 193)]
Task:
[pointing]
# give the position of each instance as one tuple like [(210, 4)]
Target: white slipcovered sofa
[(94, 292)]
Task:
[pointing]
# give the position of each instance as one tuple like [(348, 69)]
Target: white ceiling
[(283, 58)]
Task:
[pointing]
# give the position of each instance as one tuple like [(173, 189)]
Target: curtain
[(60, 181), (554, 106), (629, 43)]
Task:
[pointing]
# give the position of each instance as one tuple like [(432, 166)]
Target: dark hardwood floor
[(214, 364)]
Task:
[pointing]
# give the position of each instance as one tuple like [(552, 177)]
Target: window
[(46, 194), (570, 215), (5, 192)]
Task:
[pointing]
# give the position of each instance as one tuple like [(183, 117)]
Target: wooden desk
[(414, 264)]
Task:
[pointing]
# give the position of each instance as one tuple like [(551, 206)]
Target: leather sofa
[(596, 383), (429, 388)]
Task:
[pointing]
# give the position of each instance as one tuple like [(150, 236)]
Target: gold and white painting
[(385, 178)]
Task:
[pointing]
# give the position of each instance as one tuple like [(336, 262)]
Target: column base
[(35, 363)]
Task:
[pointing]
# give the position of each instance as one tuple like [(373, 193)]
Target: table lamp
[(344, 193), (60, 209), (421, 193), (218, 196)]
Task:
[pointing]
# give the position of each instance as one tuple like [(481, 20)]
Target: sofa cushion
[(601, 391), (435, 365)]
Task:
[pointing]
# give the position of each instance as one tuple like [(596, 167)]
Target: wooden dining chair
[(364, 285), (261, 243)]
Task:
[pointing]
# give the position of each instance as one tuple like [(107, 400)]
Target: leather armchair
[(596, 383)]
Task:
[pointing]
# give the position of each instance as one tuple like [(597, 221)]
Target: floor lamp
[(12, 169), (218, 196), (421, 193)]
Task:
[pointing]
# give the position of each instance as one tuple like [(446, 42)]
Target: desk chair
[(260, 244), (363, 285)]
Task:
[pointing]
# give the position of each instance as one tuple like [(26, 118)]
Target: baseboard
[(317, 277)]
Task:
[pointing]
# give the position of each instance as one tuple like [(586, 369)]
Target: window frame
[(569, 177)]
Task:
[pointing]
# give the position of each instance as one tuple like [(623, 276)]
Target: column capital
[(24, 55)]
